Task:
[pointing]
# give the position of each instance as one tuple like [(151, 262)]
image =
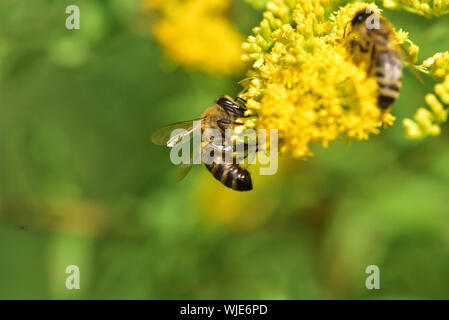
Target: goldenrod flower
[(437, 65), (426, 8), (196, 34), (427, 122), (413, 50), (304, 81)]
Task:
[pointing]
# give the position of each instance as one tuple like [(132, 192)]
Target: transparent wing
[(164, 137), (184, 168)]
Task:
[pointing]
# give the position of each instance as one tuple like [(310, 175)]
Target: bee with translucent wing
[(221, 116)]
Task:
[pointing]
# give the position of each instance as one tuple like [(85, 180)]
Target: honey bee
[(385, 56), (221, 116)]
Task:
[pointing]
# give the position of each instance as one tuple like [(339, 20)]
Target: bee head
[(361, 16)]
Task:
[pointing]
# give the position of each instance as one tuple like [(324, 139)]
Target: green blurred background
[(80, 182)]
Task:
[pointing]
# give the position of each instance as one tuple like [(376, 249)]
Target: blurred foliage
[(257, 4), (80, 183)]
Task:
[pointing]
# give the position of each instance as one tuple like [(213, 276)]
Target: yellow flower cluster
[(427, 121), (304, 81), (428, 8), (197, 35), (437, 66), (412, 51)]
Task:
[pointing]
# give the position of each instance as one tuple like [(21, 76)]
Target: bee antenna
[(240, 99)]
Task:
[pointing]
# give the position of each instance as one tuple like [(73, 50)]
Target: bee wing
[(410, 64), (184, 168), (164, 137)]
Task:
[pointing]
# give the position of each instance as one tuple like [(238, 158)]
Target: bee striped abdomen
[(389, 76), (230, 175)]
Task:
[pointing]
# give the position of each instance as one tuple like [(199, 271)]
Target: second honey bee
[(221, 116), (378, 40)]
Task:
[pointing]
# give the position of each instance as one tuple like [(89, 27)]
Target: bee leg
[(242, 105), (256, 147), (355, 43), (246, 152), (235, 109), (231, 106), (222, 122)]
